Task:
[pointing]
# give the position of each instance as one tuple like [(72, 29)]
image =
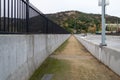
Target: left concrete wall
[(20, 55)]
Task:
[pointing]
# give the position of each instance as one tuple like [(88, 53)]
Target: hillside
[(79, 21)]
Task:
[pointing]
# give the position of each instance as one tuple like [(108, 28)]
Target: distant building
[(113, 28)]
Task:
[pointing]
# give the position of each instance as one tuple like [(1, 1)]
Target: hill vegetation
[(79, 22)]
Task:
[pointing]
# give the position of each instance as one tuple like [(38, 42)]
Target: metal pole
[(0, 15), (103, 23), (27, 16), (4, 15)]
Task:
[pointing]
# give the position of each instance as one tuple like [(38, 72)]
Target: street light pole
[(103, 3), (103, 23)]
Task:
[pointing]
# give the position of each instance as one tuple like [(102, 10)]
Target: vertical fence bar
[(8, 15), (0, 15), (17, 16), (14, 15), (27, 16), (24, 15), (11, 15), (20, 16), (4, 15)]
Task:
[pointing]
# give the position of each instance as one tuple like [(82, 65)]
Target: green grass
[(61, 48), (50, 66)]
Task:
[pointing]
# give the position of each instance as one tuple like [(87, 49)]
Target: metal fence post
[(4, 15), (0, 16), (27, 16)]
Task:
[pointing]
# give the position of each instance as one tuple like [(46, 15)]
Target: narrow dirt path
[(74, 62), (83, 66)]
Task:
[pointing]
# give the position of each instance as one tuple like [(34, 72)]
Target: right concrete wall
[(110, 57)]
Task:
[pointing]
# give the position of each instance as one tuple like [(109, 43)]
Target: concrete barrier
[(107, 55), (20, 55)]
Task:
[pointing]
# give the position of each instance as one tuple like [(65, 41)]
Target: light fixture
[(100, 2)]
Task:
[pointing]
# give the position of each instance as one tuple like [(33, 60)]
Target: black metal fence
[(19, 16)]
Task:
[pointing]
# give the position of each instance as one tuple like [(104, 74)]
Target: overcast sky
[(88, 6)]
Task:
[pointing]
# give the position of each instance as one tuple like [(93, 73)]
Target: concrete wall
[(110, 57), (20, 55)]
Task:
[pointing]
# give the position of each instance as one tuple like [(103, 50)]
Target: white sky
[(88, 6)]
